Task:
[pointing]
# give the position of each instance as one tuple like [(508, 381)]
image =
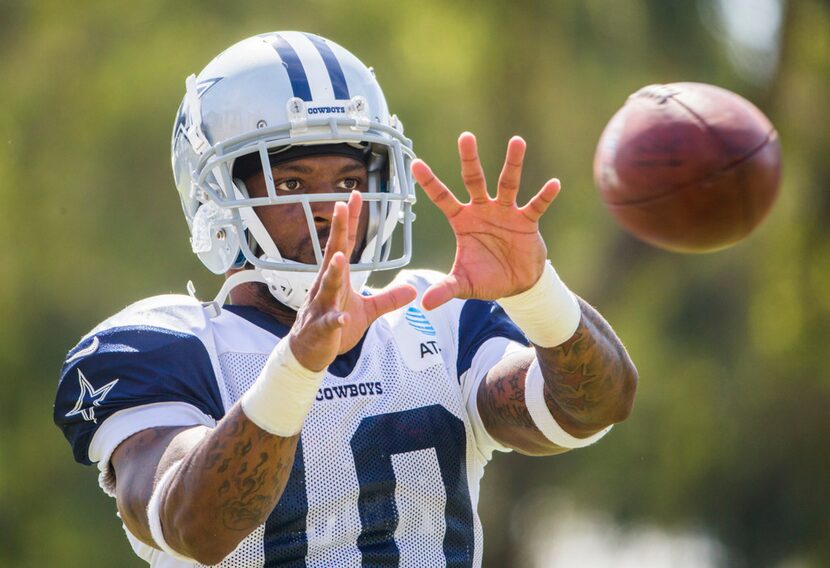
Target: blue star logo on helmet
[(204, 85), (417, 320)]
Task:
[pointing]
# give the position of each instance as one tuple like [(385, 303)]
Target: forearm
[(576, 381), (589, 380), (226, 486)]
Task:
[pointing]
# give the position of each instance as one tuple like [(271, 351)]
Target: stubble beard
[(265, 301)]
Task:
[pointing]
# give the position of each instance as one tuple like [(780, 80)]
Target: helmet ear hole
[(214, 241), (240, 261), (224, 250)]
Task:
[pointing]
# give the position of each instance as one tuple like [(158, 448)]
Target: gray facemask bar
[(219, 157)]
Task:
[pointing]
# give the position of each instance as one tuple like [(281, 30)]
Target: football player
[(312, 421)]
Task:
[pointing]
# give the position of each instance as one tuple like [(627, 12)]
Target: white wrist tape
[(548, 313), (282, 395), (545, 422), (154, 513)]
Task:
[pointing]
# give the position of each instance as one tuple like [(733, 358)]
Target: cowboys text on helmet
[(264, 96)]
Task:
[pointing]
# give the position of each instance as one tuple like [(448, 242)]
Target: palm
[(359, 314), (499, 251), (362, 312), (334, 317)]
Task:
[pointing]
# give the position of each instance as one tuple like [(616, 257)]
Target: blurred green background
[(724, 461)]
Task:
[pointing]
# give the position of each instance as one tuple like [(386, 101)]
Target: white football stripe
[(89, 350), (315, 69)]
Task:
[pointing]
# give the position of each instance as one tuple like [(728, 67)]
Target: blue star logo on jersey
[(419, 321), (89, 398)]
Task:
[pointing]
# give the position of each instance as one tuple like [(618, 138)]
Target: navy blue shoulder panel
[(259, 319), (482, 320), (129, 366)]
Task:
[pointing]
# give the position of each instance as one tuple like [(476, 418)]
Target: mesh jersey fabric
[(390, 457)]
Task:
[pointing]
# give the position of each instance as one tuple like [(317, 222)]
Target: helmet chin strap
[(291, 295), (290, 288), (215, 307)]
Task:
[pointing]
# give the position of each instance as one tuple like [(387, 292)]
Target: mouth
[(303, 251)]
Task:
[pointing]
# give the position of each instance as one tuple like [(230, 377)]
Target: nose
[(323, 211)]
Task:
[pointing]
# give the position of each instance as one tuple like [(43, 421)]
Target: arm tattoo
[(502, 408), (230, 480), (251, 468), (505, 401), (589, 381)]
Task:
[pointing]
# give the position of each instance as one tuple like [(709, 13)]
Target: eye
[(349, 183), (288, 185)]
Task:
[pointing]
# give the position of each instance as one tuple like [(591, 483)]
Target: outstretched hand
[(499, 251), (334, 316)]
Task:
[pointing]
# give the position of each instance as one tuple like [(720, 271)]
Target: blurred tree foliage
[(730, 429)]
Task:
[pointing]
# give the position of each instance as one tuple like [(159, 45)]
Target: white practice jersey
[(390, 457)]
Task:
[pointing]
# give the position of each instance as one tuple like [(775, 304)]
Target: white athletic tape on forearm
[(548, 313), (282, 395), (545, 422), (154, 514)]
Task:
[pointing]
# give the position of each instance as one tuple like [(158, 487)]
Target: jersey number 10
[(373, 444)]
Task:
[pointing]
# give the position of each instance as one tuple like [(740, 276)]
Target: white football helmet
[(265, 95)]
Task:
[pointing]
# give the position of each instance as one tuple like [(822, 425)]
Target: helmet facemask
[(226, 232)]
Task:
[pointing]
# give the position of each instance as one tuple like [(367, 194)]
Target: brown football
[(688, 167)]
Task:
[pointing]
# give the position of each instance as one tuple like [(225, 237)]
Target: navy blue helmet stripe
[(338, 79), (294, 67)]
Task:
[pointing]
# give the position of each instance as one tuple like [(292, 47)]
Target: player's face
[(287, 224)]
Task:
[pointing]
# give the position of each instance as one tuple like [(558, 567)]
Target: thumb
[(440, 293), (389, 300)]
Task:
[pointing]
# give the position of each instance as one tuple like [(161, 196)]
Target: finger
[(389, 300), (327, 323), (338, 231), (440, 293), (336, 241), (540, 202), (511, 173), (354, 205), (435, 190), (471, 172), (331, 283), (334, 320), (315, 285)]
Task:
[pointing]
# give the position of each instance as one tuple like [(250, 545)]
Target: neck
[(256, 295)]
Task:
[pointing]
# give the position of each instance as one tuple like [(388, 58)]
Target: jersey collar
[(342, 366)]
